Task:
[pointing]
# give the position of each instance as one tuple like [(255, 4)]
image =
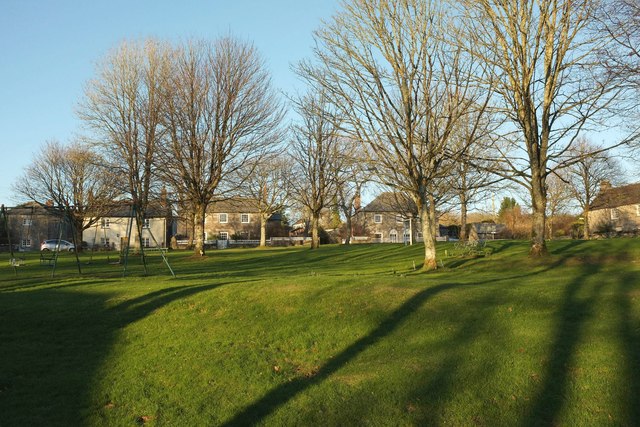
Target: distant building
[(389, 218), (615, 210), (31, 223), (112, 230)]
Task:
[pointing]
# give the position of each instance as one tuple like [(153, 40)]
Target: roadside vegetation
[(338, 336)]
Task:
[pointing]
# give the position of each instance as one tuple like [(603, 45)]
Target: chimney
[(605, 185)]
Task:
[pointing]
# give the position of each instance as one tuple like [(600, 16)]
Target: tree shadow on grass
[(629, 329), (280, 395), (571, 319), (54, 343)]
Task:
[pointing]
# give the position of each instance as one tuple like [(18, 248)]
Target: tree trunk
[(463, 218), (538, 226), (198, 229), (263, 230), (427, 220), (587, 227), (348, 225), (139, 223), (315, 235)]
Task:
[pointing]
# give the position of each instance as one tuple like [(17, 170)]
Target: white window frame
[(105, 223), (25, 243), (223, 235), (615, 214), (377, 218), (26, 222), (104, 241), (225, 216), (393, 236), (378, 237), (146, 223), (146, 242), (242, 217)]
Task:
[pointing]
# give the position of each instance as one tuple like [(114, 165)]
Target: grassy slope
[(334, 337)]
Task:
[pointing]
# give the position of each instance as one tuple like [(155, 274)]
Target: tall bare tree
[(73, 181), (221, 114), (315, 149), (123, 106), (587, 174), (353, 175), (269, 186), (545, 64), (401, 87)]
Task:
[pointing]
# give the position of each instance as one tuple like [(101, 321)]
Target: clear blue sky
[(48, 50)]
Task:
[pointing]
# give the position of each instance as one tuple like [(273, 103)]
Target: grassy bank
[(339, 336)]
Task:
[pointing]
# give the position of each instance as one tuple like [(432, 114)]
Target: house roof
[(391, 202), (234, 205), (617, 196)]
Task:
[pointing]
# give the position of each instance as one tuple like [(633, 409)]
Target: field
[(338, 336)]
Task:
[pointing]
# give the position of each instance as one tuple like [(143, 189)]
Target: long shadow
[(572, 316), (257, 411), (629, 289), (54, 343)]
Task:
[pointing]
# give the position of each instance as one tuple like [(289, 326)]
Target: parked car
[(52, 245)]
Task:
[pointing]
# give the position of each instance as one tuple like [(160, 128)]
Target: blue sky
[(48, 50)]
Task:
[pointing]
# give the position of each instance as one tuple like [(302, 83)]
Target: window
[(223, 218), (615, 214), (25, 243), (393, 236), (145, 223), (27, 222), (244, 218), (104, 223), (637, 210), (377, 218), (145, 242), (377, 237), (223, 235), (105, 242)]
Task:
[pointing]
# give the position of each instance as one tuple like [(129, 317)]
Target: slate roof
[(617, 196), (391, 202), (235, 205)]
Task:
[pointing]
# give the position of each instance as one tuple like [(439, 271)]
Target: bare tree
[(353, 175), (620, 21), (401, 87), (123, 105), (315, 148), (546, 66), (269, 186), (72, 181), (558, 199), (587, 174), (221, 113)]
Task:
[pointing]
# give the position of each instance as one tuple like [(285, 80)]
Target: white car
[(52, 245)]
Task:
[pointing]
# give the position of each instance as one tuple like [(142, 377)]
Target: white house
[(112, 230)]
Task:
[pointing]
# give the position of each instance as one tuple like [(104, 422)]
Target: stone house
[(615, 210), (389, 218), (31, 223)]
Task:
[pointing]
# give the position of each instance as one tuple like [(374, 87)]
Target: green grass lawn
[(338, 336)]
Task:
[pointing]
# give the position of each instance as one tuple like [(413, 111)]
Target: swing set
[(63, 214)]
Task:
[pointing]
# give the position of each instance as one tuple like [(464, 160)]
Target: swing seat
[(17, 262), (47, 260)]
